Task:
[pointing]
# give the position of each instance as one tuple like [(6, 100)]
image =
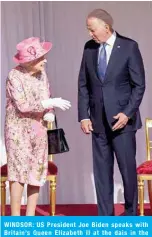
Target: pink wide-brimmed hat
[(31, 49)]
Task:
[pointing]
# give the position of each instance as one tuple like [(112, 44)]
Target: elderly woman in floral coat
[(28, 108)]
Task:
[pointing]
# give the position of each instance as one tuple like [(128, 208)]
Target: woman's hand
[(49, 117), (56, 102)]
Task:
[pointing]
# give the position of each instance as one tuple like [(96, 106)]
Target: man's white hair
[(102, 15)]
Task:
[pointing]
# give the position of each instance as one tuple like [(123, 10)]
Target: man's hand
[(86, 126), (122, 121)]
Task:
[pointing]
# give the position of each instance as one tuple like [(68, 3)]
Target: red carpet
[(76, 210)]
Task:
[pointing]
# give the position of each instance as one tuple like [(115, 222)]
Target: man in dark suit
[(110, 89)]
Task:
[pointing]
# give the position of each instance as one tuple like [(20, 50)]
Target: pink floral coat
[(25, 130)]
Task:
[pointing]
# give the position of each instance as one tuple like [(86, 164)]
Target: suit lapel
[(95, 57)]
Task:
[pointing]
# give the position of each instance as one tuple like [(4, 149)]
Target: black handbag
[(56, 140)]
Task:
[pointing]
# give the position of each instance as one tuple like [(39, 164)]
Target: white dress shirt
[(109, 46)]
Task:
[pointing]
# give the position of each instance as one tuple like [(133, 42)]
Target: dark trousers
[(124, 146)]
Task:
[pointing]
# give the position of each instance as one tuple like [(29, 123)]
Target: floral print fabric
[(25, 130)]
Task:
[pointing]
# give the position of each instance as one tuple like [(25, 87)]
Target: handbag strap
[(56, 123)]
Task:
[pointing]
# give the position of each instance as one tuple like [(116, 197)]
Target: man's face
[(97, 29)]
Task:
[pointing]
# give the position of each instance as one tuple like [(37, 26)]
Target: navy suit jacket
[(122, 89)]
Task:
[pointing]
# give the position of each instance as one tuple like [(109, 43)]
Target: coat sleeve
[(49, 94), (17, 93), (83, 94), (137, 80)]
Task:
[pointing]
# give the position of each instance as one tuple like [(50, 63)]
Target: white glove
[(49, 117), (56, 102)]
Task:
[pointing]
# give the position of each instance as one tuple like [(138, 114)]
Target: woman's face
[(36, 66), (39, 64)]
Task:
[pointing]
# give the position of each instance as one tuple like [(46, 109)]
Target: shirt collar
[(112, 39)]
